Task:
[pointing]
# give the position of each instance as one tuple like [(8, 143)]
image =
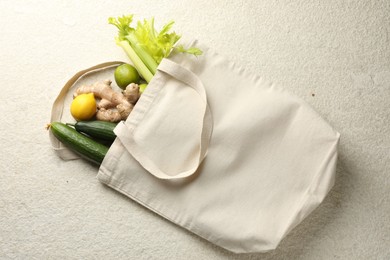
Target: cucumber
[(97, 129), (78, 142)]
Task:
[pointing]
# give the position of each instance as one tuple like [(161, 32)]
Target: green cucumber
[(97, 129), (79, 143)]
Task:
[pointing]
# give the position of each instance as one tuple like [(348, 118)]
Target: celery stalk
[(142, 53), (139, 65), (146, 46)]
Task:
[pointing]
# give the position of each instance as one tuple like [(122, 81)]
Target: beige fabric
[(270, 158)]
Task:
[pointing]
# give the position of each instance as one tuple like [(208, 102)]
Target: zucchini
[(79, 143), (100, 130)]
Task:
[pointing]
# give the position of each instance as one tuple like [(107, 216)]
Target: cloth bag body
[(222, 152)]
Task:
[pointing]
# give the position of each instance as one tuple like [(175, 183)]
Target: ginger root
[(109, 115), (104, 103), (132, 93), (113, 106)]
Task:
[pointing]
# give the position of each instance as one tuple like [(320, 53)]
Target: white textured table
[(334, 54)]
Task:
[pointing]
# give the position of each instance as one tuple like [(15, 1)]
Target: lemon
[(83, 107), (126, 74)]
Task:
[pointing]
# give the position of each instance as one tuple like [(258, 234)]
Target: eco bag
[(222, 152)]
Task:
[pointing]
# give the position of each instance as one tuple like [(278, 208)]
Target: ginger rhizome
[(113, 106)]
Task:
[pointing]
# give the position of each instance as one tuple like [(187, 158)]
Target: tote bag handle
[(126, 136)]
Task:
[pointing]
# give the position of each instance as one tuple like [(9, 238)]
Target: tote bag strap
[(191, 80), (58, 107)]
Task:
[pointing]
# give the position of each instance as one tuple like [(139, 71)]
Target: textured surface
[(334, 54)]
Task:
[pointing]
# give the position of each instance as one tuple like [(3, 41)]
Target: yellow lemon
[(83, 107)]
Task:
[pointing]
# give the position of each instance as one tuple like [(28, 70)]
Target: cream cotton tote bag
[(216, 150), (222, 153)]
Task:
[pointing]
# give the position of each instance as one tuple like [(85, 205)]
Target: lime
[(83, 107), (142, 88), (126, 74)]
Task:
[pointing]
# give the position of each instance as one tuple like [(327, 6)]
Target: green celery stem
[(144, 55), (139, 65)]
